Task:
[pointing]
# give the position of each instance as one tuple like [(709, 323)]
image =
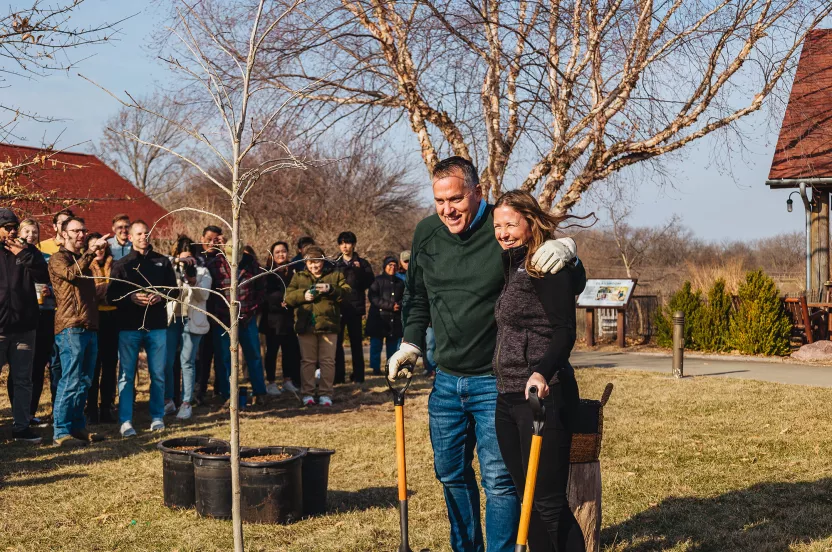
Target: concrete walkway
[(709, 366)]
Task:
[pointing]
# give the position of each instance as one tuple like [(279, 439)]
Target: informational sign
[(606, 293)]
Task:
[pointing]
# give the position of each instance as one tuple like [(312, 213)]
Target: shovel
[(539, 414), (398, 402)]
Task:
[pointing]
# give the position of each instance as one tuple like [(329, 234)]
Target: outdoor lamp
[(789, 204)]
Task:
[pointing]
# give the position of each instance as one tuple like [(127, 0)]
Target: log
[(584, 492)]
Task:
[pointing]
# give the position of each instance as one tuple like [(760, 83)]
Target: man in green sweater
[(453, 282)]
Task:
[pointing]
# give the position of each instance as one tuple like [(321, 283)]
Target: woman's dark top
[(535, 322), (277, 319), (382, 320)]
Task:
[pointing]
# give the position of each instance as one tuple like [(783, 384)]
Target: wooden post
[(590, 327), (622, 329), (584, 492), (819, 238)]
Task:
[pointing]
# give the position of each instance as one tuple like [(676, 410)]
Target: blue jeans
[(250, 342), (461, 415), (430, 345), (187, 359), (155, 345), (78, 350), (376, 344), (174, 340)]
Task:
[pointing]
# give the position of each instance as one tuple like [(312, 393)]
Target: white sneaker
[(318, 373), (170, 407), (157, 425), (325, 401), (309, 400), (273, 390), (127, 430), (185, 411), (290, 387)]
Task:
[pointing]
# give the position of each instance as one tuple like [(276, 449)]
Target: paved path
[(711, 366)]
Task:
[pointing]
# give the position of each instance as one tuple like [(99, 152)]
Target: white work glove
[(553, 255), (405, 358)]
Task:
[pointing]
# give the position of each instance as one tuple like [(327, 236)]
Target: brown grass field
[(701, 464)]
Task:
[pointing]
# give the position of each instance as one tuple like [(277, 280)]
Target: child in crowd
[(384, 320)]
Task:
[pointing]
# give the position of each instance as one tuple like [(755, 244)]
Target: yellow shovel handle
[(528, 492), (400, 453)]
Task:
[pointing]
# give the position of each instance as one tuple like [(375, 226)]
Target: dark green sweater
[(453, 282)]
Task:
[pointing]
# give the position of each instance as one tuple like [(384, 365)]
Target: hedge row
[(760, 324)]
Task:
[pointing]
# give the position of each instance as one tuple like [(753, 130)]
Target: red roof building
[(804, 148), (79, 181)]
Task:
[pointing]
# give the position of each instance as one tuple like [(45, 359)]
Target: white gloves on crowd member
[(553, 255), (402, 361)]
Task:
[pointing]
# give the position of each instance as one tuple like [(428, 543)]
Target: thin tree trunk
[(234, 333)]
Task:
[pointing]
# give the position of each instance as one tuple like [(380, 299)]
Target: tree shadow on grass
[(363, 499), (767, 517), (46, 480)]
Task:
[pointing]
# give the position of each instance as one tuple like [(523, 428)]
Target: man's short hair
[(312, 251), (73, 218), (137, 222), (59, 214), (121, 216), (304, 241), (347, 237), (212, 228), (457, 164)]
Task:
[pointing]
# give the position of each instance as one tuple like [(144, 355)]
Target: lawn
[(693, 465)]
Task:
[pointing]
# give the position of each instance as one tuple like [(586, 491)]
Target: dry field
[(694, 465)]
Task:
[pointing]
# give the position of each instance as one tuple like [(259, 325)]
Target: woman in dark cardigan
[(535, 333), (277, 322), (384, 319)]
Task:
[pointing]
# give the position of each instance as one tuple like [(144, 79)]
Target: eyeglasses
[(78, 231), (123, 227), (11, 226)]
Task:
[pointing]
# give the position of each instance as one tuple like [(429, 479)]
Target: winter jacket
[(322, 314), (249, 294), (192, 302), (358, 274), (18, 301), (535, 322), (277, 319), (382, 320), (74, 288), (151, 270), (101, 273)]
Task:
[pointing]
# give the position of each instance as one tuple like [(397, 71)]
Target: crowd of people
[(83, 306), (486, 295)]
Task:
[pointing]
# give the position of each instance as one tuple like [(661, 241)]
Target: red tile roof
[(81, 182), (804, 149)]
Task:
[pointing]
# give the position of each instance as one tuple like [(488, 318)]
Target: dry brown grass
[(703, 276), (694, 465)]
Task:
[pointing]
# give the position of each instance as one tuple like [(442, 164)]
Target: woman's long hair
[(272, 264), (542, 224)]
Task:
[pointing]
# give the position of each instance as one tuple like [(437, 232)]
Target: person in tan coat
[(76, 330)]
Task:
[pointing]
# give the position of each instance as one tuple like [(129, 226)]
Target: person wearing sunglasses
[(21, 267), (120, 244)]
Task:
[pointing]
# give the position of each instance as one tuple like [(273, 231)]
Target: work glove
[(403, 361), (553, 255)]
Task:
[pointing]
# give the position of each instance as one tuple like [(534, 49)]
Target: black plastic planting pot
[(271, 492), (178, 469), (212, 482), (315, 480)]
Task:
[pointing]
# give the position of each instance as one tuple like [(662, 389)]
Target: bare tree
[(576, 90), (636, 243), (151, 169), (234, 96)]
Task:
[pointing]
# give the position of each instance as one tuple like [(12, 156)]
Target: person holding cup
[(316, 294)]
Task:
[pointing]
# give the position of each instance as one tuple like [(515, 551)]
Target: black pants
[(44, 343), (351, 321), (106, 367), (291, 357), (204, 359), (553, 526)]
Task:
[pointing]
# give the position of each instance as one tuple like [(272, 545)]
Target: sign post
[(607, 294)]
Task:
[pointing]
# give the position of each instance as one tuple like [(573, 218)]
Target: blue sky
[(715, 204)]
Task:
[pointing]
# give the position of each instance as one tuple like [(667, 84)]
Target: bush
[(761, 325), (688, 302), (711, 332)]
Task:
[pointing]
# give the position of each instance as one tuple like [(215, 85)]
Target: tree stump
[(584, 492)]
